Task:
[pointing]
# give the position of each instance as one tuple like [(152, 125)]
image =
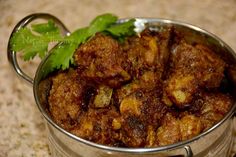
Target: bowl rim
[(138, 150)]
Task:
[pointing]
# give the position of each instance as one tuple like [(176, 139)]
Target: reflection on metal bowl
[(215, 142)]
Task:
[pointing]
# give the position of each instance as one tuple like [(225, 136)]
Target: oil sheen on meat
[(150, 90)]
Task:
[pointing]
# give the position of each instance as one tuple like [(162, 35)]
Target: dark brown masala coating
[(148, 91)]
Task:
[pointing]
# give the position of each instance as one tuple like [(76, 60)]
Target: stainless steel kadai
[(215, 142)]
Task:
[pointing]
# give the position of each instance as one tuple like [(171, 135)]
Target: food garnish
[(35, 40)]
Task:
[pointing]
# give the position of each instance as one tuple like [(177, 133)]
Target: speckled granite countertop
[(22, 132)]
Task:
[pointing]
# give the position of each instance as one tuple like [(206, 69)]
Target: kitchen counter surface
[(22, 132)]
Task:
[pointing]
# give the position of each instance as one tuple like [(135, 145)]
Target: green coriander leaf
[(31, 44), (45, 28), (100, 23), (31, 51), (79, 36), (49, 31), (122, 29), (20, 39), (62, 54)]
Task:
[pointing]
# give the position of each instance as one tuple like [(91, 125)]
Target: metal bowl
[(215, 142)]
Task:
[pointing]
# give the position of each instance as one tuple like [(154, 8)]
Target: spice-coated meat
[(214, 107), (146, 60), (193, 68), (141, 114), (65, 99), (100, 59), (150, 90), (97, 125), (147, 55)]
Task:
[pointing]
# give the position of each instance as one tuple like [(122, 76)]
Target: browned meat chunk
[(169, 132), (96, 125), (141, 114), (214, 107), (147, 56), (100, 60), (141, 53), (190, 126), (194, 67), (174, 130), (151, 90), (133, 131), (147, 106), (65, 98), (151, 140)]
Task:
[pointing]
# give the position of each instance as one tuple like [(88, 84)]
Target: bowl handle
[(12, 57), (188, 150)]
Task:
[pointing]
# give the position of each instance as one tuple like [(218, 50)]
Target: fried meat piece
[(178, 129), (147, 57), (65, 99), (97, 125), (169, 132), (145, 105), (141, 114), (147, 54), (141, 52), (193, 68), (100, 59), (190, 126), (214, 107), (133, 131), (121, 94)]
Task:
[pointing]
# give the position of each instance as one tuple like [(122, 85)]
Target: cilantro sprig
[(35, 41)]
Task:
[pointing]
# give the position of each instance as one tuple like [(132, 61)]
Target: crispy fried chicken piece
[(147, 56), (141, 53), (116, 95), (72, 107), (149, 53), (97, 125), (141, 114), (100, 59), (65, 99), (146, 105), (214, 107), (190, 126), (178, 129), (151, 140), (169, 132), (133, 131), (194, 67)]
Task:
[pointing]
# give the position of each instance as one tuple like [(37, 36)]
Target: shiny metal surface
[(66, 144), (216, 144), (12, 57)]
